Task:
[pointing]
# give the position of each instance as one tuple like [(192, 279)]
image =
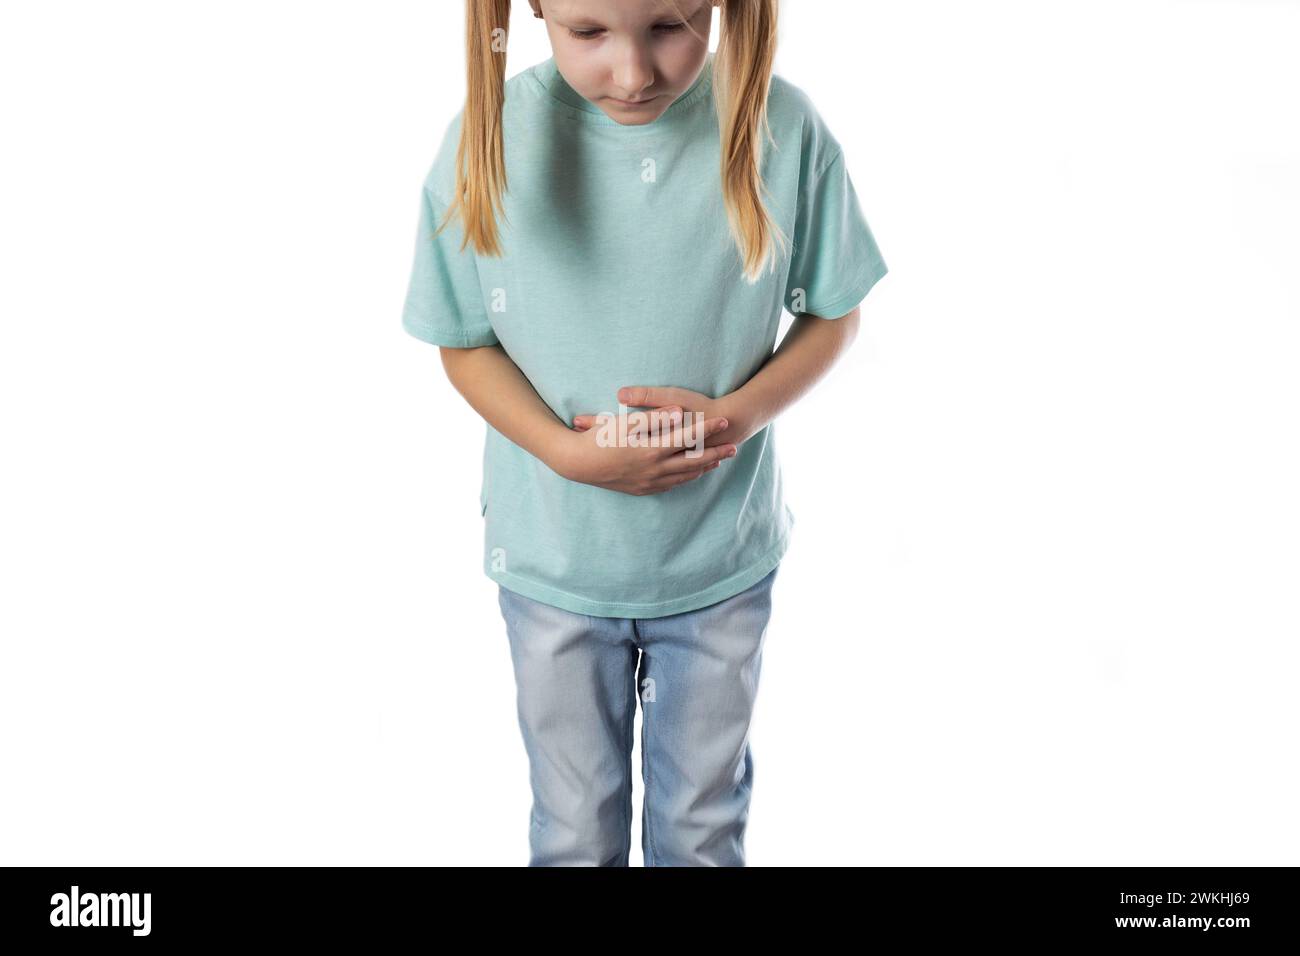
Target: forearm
[(809, 350), (494, 386)]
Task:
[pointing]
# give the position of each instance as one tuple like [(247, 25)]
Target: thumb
[(583, 422), (650, 396)]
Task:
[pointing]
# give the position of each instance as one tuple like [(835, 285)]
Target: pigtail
[(480, 154), (742, 76)]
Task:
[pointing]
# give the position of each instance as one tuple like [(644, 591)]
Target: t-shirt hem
[(844, 304), (469, 338), (729, 587)]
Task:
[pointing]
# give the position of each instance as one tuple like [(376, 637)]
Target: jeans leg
[(575, 677), (698, 683)]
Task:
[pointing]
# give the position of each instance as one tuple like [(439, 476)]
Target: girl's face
[(631, 58)]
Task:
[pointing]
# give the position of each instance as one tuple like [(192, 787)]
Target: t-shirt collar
[(548, 75)]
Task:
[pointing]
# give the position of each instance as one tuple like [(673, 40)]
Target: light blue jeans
[(578, 678)]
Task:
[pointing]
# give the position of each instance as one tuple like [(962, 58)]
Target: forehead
[(617, 12)]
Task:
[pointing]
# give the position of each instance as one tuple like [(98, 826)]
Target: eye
[(662, 27)]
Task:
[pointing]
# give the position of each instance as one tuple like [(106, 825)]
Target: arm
[(495, 387), (810, 347)]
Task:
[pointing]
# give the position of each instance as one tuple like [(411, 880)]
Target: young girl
[(620, 226)]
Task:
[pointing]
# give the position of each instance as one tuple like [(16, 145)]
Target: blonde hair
[(741, 77)]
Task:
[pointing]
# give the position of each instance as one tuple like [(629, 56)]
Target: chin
[(636, 121), (629, 117)]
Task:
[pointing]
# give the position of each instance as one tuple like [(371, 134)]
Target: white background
[(1041, 604)]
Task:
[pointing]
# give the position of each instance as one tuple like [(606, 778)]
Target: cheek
[(682, 63), (579, 60)]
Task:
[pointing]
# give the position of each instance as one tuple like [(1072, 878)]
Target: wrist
[(724, 406), (739, 425), (555, 449)]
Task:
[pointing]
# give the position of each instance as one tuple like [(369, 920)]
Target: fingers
[(692, 436), (723, 436), (691, 469), (679, 462), (658, 420), (583, 422), (647, 395)]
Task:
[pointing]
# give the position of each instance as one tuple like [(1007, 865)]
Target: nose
[(633, 73)]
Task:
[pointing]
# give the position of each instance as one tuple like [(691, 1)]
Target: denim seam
[(645, 761), (625, 801)]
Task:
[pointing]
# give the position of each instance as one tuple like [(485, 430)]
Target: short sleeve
[(834, 258), (444, 302)]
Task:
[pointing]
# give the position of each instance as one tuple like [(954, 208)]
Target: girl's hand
[(664, 397), (643, 468)]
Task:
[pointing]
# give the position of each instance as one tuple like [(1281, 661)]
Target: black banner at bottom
[(111, 907)]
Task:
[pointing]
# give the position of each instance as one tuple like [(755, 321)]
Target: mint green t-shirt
[(619, 269)]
